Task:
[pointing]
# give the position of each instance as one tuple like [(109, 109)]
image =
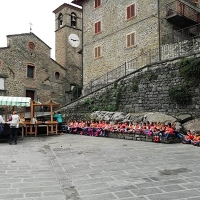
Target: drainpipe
[(82, 54), (159, 42)]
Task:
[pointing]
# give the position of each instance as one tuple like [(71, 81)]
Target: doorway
[(31, 94)]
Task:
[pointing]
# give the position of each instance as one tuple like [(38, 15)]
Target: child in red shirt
[(188, 138)]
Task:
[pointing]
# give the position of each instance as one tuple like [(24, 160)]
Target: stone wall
[(146, 90)]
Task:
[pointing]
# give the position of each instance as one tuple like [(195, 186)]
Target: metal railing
[(178, 7), (146, 58), (181, 35)]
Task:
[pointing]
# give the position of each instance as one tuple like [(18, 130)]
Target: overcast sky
[(16, 16)]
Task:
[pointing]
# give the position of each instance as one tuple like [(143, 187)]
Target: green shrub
[(88, 101), (152, 76), (190, 69), (180, 94), (115, 85), (76, 92), (95, 108), (110, 108), (135, 87)]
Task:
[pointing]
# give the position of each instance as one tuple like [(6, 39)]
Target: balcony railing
[(177, 9), (193, 2), (181, 35)]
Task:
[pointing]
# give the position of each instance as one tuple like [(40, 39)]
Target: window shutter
[(96, 27), (99, 26), (97, 3), (95, 52), (128, 41), (133, 10), (133, 39), (99, 51), (128, 12)]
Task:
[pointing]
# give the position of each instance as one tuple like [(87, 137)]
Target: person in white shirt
[(2, 120), (14, 126)]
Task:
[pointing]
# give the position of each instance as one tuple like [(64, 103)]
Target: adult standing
[(14, 127), (1, 122), (58, 117)]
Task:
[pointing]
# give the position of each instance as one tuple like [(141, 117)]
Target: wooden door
[(31, 94)]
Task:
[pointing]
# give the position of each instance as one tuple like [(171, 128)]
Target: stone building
[(68, 34), (117, 31), (27, 70)]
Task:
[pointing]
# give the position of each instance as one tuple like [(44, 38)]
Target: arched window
[(60, 20), (57, 75), (73, 19), (31, 45)]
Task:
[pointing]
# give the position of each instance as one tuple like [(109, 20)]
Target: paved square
[(95, 168)]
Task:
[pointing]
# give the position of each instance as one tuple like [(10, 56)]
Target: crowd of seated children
[(102, 128), (191, 138), (164, 131)]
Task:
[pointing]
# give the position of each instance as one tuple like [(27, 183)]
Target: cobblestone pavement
[(76, 167)]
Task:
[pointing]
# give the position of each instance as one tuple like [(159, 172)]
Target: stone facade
[(68, 56), (148, 24), (25, 50)]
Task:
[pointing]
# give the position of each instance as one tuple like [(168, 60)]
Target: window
[(73, 20), (60, 20), (31, 45), (97, 52), (130, 11), (97, 3), (2, 83), (30, 71), (130, 40), (57, 75), (97, 27)]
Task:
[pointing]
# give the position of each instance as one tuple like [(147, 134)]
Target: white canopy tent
[(15, 101)]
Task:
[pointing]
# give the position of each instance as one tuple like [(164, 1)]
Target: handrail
[(180, 8), (181, 35)]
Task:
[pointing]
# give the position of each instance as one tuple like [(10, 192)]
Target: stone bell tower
[(68, 48)]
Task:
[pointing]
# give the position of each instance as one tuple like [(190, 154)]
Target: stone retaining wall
[(146, 90)]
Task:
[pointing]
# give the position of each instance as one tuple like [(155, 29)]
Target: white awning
[(15, 101)]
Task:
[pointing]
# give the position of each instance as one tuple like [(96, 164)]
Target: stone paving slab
[(105, 168), (76, 167)]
